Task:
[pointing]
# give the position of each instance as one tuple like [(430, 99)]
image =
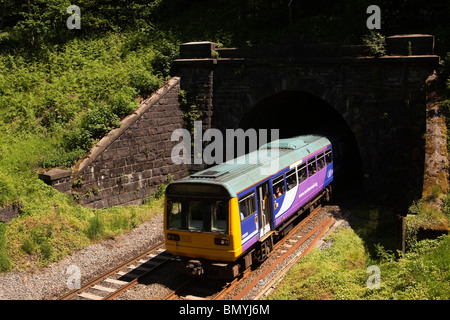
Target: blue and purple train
[(220, 221)]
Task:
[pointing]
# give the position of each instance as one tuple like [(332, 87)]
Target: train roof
[(240, 173)]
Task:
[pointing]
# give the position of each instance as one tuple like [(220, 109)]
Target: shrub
[(94, 124), (446, 203), (96, 228), (28, 246), (8, 193), (123, 103), (5, 261), (144, 82), (376, 43), (118, 223), (62, 158)]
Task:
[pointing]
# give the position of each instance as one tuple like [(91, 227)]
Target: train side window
[(247, 206), (302, 173), (312, 169), (291, 179), (278, 186), (320, 162), (328, 156)]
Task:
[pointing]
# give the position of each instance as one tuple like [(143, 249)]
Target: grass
[(333, 274), (340, 271), (34, 241), (54, 104), (50, 225)]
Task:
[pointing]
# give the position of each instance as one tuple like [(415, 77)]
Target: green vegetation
[(52, 109), (61, 90), (33, 241), (340, 271), (376, 43)]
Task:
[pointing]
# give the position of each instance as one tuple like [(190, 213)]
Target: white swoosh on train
[(288, 201)]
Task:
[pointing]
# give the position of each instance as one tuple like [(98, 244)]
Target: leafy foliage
[(61, 90), (59, 93), (376, 43), (339, 272)]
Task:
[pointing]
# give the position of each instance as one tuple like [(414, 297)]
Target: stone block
[(57, 178), (195, 50), (54, 174), (410, 44)]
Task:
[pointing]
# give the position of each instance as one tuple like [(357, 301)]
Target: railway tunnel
[(375, 106), (300, 113)]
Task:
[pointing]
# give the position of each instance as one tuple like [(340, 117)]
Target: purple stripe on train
[(289, 201), (297, 197)]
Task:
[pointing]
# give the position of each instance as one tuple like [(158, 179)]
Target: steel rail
[(230, 286), (93, 282), (324, 224), (299, 256)]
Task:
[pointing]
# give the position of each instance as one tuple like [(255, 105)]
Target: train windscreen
[(197, 214)]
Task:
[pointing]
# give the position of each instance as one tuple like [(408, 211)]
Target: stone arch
[(296, 112)]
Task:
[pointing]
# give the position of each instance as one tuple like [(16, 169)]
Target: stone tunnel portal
[(300, 113)]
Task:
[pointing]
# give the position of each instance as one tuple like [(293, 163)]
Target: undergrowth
[(340, 271), (33, 241), (55, 103)]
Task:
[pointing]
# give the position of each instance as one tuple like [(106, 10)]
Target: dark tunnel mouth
[(300, 113)]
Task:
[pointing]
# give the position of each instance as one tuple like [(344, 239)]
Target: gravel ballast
[(51, 282)]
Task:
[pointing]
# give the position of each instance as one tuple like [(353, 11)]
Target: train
[(224, 219)]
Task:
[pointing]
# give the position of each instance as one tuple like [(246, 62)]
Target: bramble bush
[(80, 90)]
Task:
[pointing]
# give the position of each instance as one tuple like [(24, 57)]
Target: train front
[(202, 228)]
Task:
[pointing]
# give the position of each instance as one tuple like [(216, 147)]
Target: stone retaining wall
[(130, 162)]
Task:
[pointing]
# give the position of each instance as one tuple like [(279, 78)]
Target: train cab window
[(320, 162), (328, 156), (174, 214), (278, 186), (312, 169), (208, 215), (291, 179), (219, 216), (247, 206), (195, 215), (302, 173)]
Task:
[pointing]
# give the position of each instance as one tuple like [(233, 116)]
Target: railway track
[(203, 289), (294, 258), (112, 283), (322, 228), (286, 251)]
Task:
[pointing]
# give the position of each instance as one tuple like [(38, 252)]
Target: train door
[(278, 191), (249, 219), (265, 208)]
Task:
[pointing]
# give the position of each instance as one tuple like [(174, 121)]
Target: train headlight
[(173, 236), (221, 241)]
